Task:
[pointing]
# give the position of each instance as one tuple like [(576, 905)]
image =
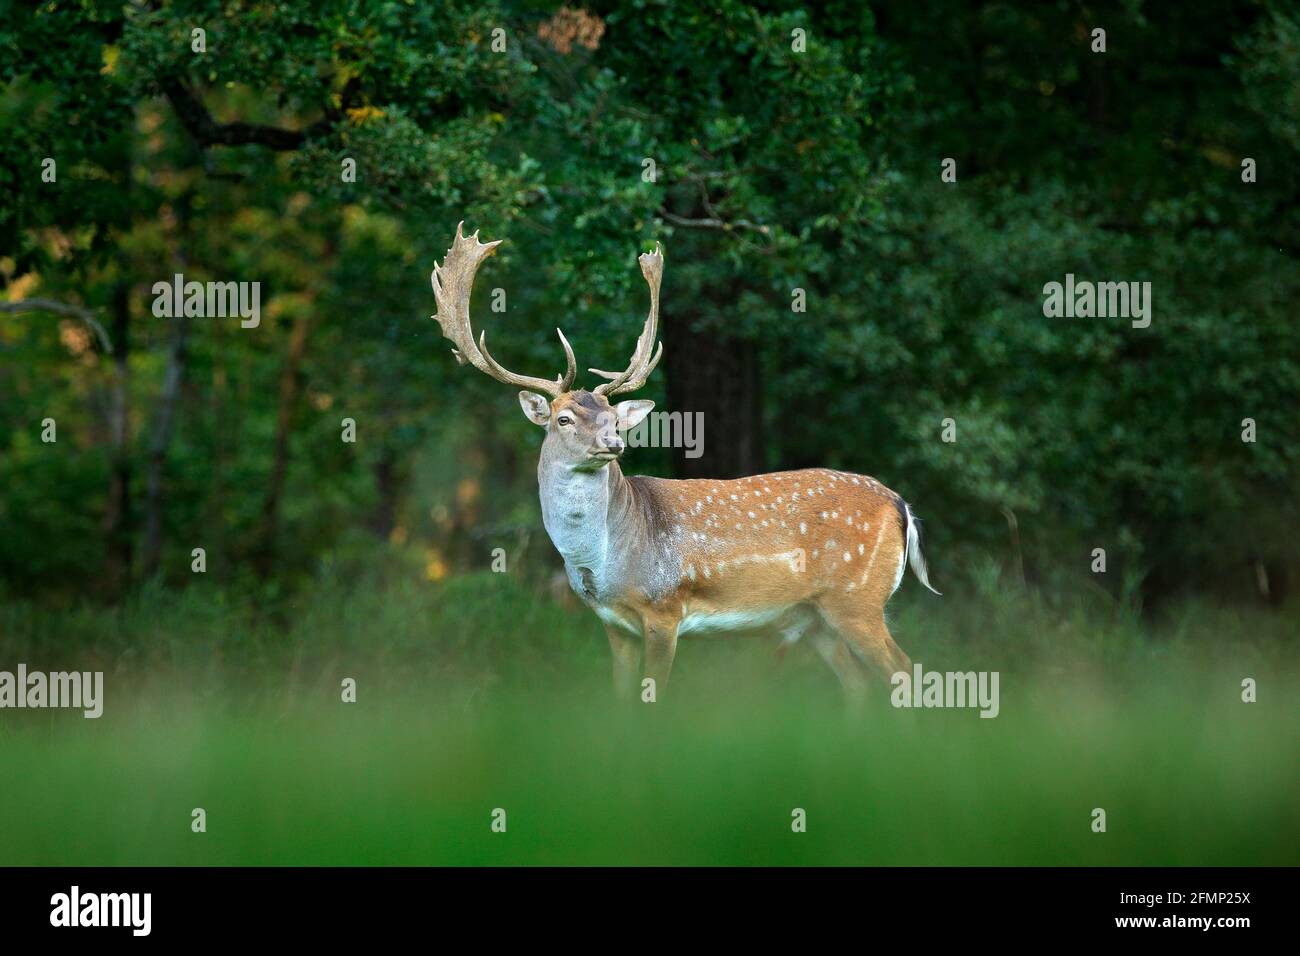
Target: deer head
[(581, 426)]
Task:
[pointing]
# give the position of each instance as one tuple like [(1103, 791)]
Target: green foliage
[(774, 170)]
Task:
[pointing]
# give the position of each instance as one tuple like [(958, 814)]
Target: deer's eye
[(564, 420)]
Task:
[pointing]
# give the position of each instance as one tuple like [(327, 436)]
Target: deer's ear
[(536, 407), (631, 413)]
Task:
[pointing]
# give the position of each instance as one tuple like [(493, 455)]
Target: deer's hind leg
[(835, 651), (861, 626)]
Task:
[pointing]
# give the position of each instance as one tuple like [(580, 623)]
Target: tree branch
[(198, 122), (62, 308), (715, 223)]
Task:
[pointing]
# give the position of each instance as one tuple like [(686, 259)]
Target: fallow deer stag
[(815, 552)]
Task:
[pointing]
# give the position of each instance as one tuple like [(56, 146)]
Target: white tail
[(915, 556)]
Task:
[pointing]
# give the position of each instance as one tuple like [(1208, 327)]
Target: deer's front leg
[(625, 649), (660, 647)]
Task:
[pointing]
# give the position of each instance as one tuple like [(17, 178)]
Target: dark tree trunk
[(117, 510), (720, 377), (384, 517), (165, 421), (280, 461), (159, 442), (224, 435)]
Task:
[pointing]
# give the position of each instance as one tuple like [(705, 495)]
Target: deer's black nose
[(611, 442)]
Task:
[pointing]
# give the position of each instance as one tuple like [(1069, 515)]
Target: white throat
[(575, 510)]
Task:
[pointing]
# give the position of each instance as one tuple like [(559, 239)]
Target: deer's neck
[(589, 516)]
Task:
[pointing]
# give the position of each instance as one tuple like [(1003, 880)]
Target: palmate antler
[(453, 281), (639, 369)]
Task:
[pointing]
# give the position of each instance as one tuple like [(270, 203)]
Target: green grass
[(477, 693)]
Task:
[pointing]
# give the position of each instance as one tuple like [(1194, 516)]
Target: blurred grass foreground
[(480, 694)]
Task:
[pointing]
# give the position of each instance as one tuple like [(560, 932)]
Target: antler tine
[(453, 280), (642, 363)]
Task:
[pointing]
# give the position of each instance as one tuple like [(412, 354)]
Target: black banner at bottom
[(347, 904)]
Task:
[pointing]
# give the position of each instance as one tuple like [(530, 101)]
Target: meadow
[(482, 691)]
